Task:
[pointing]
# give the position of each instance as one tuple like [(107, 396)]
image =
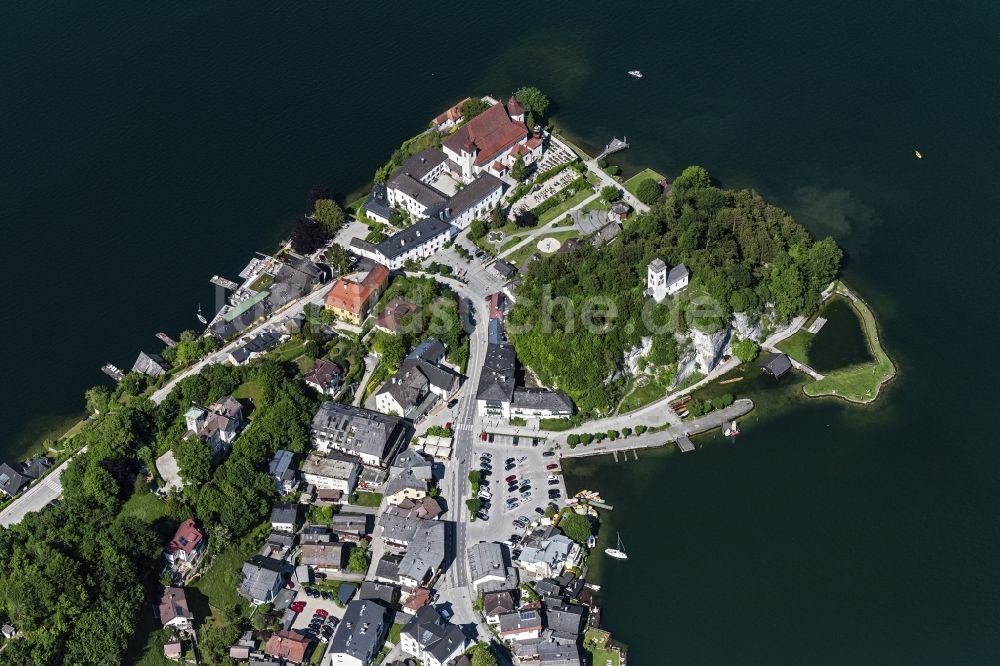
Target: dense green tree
[(360, 558), (746, 350), (473, 107), (308, 235), (647, 191), (692, 178), (610, 193), (97, 398), (518, 168), (576, 527), (534, 101), (194, 459), (477, 229), (329, 215), (483, 655)]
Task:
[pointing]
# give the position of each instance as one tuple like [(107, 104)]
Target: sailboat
[(634, 73), (200, 316), (618, 552), (916, 153)]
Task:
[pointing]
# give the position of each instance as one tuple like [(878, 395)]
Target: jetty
[(224, 283), (614, 146), (685, 444), (166, 339), (113, 371)]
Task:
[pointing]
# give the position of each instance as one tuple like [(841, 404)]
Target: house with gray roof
[(776, 364), (547, 557), (540, 403), (420, 374), (425, 554), (284, 517), (327, 557), (409, 478), (280, 469), (255, 345), (397, 530), (496, 381), (359, 635), (521, 625), (565, 620), (263, 578), (387, 569), (556, 651), (373, 437), (151, 365), (662, 282), (377, 205), (432, 640), (384, 593), (489, 567), (14, 477)]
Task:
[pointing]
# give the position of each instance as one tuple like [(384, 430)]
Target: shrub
[(647, 191)]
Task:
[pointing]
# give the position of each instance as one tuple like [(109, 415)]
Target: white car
[(525, 498), (553, 477), (485, 494)]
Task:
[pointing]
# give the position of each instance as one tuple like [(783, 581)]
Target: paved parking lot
[(529, 466), (303, 618)]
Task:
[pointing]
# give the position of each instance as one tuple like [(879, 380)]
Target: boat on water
[(591, 541), (617, 552), (733, 430), (917, 154), (200, 316), (634, 73)]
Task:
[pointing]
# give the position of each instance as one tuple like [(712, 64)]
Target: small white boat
[(619, 552), (591, 541), (733, 430), (917, 154), (635, 73), (200, 316)]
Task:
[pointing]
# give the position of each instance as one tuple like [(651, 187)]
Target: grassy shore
[(632, 183), (863, 382)]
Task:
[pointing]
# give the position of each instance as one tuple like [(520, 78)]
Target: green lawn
[(634, 181), (862, 382), (394, 632), (595, 642), (291, 350), (797, 345), (363, 498), (555, 212), (641, 396), (597, 204), (247, 391), (518, 257), (145, 506), (219, 583), (263, 282)]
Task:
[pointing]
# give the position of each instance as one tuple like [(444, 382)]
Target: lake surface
[(841, 342), (148, 146)]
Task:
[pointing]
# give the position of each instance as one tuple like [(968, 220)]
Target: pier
[(113, 371), (614, 146), (685, 444), (166, 339), (224, 283)]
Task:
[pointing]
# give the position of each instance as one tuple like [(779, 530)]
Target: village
[(428, 518)]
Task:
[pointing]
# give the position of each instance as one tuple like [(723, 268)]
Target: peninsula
[(358, 461)]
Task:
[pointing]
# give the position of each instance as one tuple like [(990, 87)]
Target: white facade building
[(661, 282)]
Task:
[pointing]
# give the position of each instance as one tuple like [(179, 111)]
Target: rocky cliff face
[(744, 328)]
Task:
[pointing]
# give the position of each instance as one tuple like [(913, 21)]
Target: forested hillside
[(743, 254)]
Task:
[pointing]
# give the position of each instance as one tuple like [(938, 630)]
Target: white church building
[(662, 282)]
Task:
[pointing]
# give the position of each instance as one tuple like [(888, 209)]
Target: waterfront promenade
[(716, 419)]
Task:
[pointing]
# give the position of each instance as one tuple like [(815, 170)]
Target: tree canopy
[(743, 253), (534, 101), (648, 191), (473, 107)]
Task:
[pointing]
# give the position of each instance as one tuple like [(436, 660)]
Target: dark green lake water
[(841, 342), (147, 146)]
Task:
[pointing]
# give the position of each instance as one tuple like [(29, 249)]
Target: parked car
[(452, 402), (511, 479), (540, 511), (483, 436), (508, 467), (322, 613), (552, 477), (516, 440), (482, 515), (548, 454), (534, 441), (552, 467), (508, 461), (515, 538), (490, 438), (447, 426), (298, 606), (525, 498)]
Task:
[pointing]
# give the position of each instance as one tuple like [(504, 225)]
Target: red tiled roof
[(420, 598), (518, 149), (452, 114), (490, 132), (353, 296), (533, 142), (514, 107), (186, 538), (392, 317), (288, 645)]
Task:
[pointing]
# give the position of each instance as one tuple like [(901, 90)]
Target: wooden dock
[(112, 371), (166, 339), (614, 146), (685, 444), (224, 283)]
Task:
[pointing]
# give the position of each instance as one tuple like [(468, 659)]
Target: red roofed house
[(494, 136), (288, 645), (391, 319), (187, 544), (352, 299), (447, 120)]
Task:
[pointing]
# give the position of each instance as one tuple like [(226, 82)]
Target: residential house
[(489, 568), (14, 477), (425, 554), (351, 298), (253, 346), (359, 635), (284, 517), (397, 530), (291, 646), (426, 508), (187, 545), (314, 534), (496, 604), (555, 651), (350, 526), (326, 557), (619, 212), (377, 207), (409, 478), (280, 542), (263, 578), (497, 397), (661, 282), (540, 403), (565, 620), (394, 316), (547, 557), (174, 611), (387, 569), (151, 365), (503, 269), (218, 425), (372, 437), (432, 640), (280, 469), (605, 234), (450, 117), (521, 625), (415, 599), (325, 377), (384, 593), (331, 473), (420, 373), (8, 631), (489, 140)]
